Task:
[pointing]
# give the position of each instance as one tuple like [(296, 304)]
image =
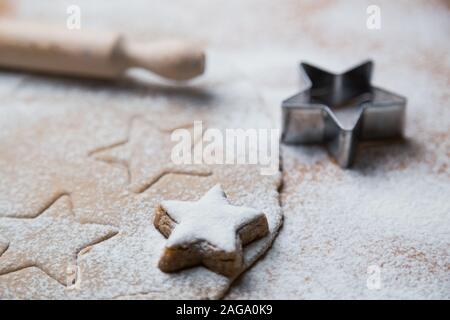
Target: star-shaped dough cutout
[(340, 110), (50, 241), (146, 160), (3, 244), (209, 231)]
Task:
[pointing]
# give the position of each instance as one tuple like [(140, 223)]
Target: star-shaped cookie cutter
[(341, 109)]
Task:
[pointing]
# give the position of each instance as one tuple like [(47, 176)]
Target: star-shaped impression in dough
[(146, 154), (209, 231), (341, 109), (50, 242), (3, 244)]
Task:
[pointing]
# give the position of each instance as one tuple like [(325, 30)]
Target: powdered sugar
[(391, 210), (50, 241), (53, 126), (210, 219)]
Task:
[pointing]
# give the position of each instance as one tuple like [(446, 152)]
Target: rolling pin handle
[(171, 59)]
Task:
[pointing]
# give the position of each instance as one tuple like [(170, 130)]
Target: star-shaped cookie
[(146, 160), (341, 109), (50, 241), (209, 231)]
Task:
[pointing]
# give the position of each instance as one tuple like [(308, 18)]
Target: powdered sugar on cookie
[(210, 219)]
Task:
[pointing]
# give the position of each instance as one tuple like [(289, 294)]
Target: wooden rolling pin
[(88, 53)]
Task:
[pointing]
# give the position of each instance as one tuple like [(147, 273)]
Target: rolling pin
[(89, 53)]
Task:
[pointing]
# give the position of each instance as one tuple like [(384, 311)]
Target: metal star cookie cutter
[(340, 110)]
